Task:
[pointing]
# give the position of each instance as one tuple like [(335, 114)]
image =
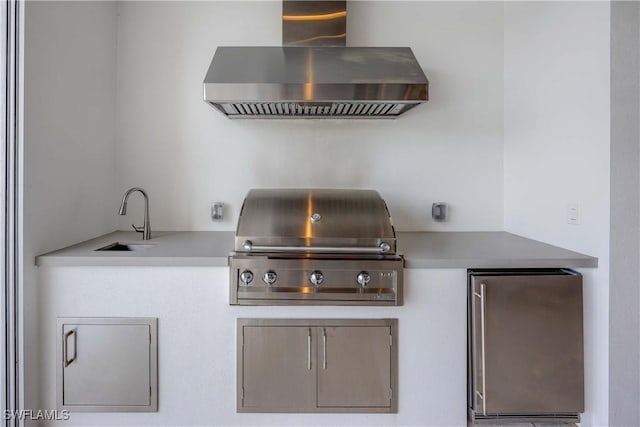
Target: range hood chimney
[(314, 75)]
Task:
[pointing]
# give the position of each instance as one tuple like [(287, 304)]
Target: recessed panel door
[(354, 366), (278, 372), (106, 365)]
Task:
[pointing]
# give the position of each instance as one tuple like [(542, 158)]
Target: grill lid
[(315, 220)]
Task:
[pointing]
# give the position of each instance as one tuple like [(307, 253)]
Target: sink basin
[(131, 247)]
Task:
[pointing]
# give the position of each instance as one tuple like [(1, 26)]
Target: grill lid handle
[(383, 247)]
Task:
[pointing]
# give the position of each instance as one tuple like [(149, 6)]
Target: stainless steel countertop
[(493, 249)]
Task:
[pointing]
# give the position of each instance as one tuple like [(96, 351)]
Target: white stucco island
[(197, 326)]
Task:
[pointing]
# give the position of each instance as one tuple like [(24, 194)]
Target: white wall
[(556, 151), (69, 162), (187, 155)]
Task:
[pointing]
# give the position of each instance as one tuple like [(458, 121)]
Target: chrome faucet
[(146, 227)]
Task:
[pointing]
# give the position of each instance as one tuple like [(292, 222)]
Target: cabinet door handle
[(68, 335), (324, 348), (309, 350), (483, 335)]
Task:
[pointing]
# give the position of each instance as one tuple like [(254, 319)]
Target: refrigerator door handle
[(483, 323)]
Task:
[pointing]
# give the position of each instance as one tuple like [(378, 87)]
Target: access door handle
[(309, 350), (68, 335), (324, 348)]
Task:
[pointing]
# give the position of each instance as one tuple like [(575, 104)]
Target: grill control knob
[(316, 278), (246, 277), (363, 278), (269, 277)]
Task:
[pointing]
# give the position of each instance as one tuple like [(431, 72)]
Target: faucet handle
[(138, 229)]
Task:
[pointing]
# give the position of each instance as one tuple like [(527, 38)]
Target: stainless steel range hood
[(365, 82), (311, 77)]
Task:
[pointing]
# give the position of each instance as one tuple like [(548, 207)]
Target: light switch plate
[(573, 214)]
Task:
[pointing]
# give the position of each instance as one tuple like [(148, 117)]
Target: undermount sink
[(131, 247)]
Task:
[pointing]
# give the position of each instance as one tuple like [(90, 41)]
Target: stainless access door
[(278, 369), (354, 366), (526, 343), (107, 364)]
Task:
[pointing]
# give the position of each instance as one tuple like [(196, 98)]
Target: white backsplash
[(187, 155)]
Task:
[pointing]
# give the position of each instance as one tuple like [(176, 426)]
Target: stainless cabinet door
[(533, 348), (354, 366), (106, 365), (278, 368)]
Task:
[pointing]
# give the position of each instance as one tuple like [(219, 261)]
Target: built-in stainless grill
[(315, 246)]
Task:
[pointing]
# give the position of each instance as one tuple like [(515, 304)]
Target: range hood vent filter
[(314, 110)]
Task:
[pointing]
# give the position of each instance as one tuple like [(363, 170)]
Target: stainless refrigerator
[(525, 345)]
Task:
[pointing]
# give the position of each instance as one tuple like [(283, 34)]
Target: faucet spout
[(146, 227)]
